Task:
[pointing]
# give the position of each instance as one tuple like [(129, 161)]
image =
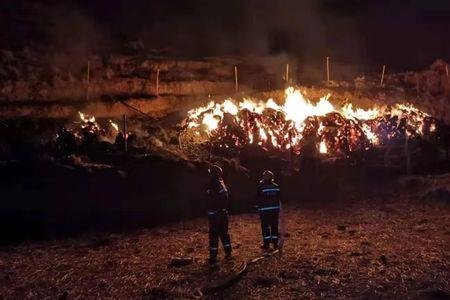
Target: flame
[(230, 107), (298, 122), (114, 125), (323, 147), (360, 113), (210, 121), (297, 108), (86, 118)]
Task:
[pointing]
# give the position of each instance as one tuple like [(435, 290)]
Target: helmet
[(267, 175), (216, 170)]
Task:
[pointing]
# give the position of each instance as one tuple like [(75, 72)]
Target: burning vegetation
[(302, 127)]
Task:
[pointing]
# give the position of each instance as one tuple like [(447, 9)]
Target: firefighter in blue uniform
[(268, 205), (218, 214)]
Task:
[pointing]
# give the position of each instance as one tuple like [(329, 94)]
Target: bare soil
[(394, 246)]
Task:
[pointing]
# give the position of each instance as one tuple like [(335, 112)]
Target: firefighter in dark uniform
[(268, 205), (218, 214)]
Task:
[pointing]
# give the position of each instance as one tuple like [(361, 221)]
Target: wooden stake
[(125, 135), (236, 78), (287, 73), (157, 82), (88, 79), (382, 75), (328, 69), (446, 70)]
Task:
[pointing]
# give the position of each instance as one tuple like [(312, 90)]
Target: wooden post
[(88, 79), (328, 69), (382, 75), (236, 78), (287, 74), (446, 70), (125, 135), (157, 82)]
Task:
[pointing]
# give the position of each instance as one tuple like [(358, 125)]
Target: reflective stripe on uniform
[(270, 190), (227, 245), (267, 237), (222, 191), (211, 213), (213, 248), (268, 208)]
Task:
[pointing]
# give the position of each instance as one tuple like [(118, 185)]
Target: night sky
[(399, 33)]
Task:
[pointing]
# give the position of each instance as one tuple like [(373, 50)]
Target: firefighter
[(218, 214), (268, 205)]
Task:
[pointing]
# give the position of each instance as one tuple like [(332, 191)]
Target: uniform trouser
[(218, 228), (269, 226)]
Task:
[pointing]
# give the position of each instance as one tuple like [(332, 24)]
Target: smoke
[(354, 32)]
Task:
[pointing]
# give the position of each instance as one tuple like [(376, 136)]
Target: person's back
[(268, 205), (218, 194), (268, 195), (218, 214)]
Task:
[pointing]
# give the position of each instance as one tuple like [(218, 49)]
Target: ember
[(299, 124)]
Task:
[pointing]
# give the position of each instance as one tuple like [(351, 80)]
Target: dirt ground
[(384, 247)]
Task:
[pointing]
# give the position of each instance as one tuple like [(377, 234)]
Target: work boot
[(228, 256)]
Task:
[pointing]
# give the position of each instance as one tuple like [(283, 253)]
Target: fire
[(90, 126), (359, 113), (297, 108), (211, 122), (323, 147), (114, 125), (86, 118), (299, 125)]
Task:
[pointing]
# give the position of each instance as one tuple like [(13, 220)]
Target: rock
[(183, 261), (289, 274), (326, 272), (63, 296), (356, 253), (432, 294), (383, 259), (157, 293), (423, 221), (439, 194), (266, 281), (341, 227)]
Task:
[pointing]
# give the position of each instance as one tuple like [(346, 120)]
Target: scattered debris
[(383, 259), (266, 281), (341, 227), (183, 261), (439, 194)]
